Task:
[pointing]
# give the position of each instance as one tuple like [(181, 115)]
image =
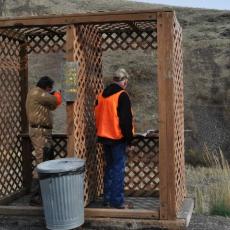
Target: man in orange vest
[(115, 131)]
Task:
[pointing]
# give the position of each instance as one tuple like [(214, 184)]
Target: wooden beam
[(70, 40), (121, 213), (128, 223), (89, 212), (60, 135), (166, 115), (21, 210), (26, 146), (70, 128), (12, 197), (102, 17), (70, 56), (27, 163)]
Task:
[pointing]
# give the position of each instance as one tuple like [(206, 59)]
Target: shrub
[(210, 185), (195, 158), (219, 202)]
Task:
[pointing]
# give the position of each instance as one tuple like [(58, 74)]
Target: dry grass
[(211, 185), (220, 191)]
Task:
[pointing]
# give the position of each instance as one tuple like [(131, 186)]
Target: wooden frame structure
[(84, 38)]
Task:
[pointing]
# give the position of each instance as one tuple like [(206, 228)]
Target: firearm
[(58, 95)]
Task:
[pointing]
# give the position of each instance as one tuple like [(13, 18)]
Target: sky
[(208, 4)]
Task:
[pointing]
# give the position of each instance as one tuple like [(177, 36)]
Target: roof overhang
[(99, 17)]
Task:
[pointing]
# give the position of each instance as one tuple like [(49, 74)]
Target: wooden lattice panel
[(100, 169), (39, 39), (10, 118), (88, 54), (123, 40), (46, 43), (59, 145), (178, 116), (142, 167), (115, 36), (9, 54)]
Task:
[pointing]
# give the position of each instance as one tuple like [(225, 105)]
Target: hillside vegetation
[(206, 46)]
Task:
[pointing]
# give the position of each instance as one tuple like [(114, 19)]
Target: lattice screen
[(178, 115), (88, 54), (88, 50), (142, 168), (135, 35), (134, 40), (39, 39), (59, 146), (10, 118), (131, 35), (45, 43)]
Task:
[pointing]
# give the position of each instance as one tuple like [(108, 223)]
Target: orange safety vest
[(107, 120)]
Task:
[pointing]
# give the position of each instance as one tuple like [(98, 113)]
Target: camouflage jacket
[(39, 105)]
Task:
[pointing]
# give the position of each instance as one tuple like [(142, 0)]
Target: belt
[(40, 126)]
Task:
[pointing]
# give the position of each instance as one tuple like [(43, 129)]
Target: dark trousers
[(115, 157)]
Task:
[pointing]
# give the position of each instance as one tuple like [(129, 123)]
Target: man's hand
[(58, 96)]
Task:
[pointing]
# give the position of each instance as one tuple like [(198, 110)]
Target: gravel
[(198, 222)]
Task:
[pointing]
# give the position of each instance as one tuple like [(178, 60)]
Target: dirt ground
[(198, 222)]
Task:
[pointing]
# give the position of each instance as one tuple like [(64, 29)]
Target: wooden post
[(27, 161), (26, 148), (70, 39), (166, 115)]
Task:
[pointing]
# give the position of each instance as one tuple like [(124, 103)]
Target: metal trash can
[(62, 183)]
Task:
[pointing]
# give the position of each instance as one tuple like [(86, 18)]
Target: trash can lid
[(60, 165)]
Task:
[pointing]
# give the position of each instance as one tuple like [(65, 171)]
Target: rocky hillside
[(206, 43)]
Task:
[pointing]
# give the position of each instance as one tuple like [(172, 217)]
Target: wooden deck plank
[(89, 212), (135, 223), (21, 210), (99, 217), (121, 213), (186, 210)]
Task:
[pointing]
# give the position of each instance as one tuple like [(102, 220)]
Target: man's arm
[(48, 100), (125, 116)]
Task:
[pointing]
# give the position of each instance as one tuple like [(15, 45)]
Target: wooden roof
[(106, 22), (99, 17)]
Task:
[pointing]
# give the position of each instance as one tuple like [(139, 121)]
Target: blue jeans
[(114, 173)]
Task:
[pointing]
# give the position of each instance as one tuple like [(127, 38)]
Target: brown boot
[(35, 186), (36, 199), (126, 205)]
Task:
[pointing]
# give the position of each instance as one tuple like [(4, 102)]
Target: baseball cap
[(120, 75)]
